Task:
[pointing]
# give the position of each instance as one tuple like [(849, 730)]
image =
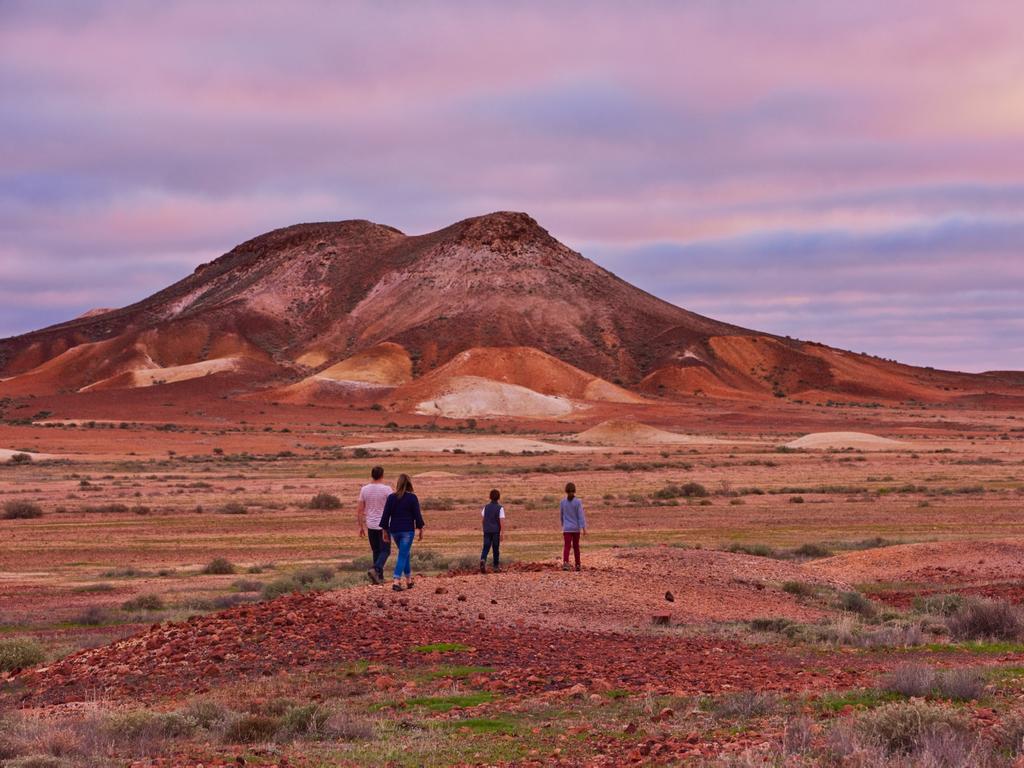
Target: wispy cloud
[(853, 172)]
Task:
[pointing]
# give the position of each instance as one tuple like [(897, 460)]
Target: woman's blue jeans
[(403, 540)]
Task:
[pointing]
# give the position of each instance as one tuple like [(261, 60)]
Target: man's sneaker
[(483, 567), (497, 569), (372, 576)]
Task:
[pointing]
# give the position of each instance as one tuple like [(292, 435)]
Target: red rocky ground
[(315, 631)]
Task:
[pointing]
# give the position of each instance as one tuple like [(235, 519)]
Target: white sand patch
[(472, 445), (634, 433), (149, 377), (6, 453), (473, 396), (861, 441)]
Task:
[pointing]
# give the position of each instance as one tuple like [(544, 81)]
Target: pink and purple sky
[(851, 173)]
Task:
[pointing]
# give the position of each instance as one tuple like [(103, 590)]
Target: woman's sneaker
[(396, 587), (372, 576), (565, 567)]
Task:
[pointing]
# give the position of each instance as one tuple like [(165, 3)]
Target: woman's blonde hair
[(402, 485)]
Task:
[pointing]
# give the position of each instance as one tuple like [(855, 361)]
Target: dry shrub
[(144, 603), (986, 620), (911, 680), (798, 736), (897, 636), (251, 729), (939, 605), (219, 566), (855, 602), (1009, 734), (325, 501), (19, 653), (744, 704), (21, 510), (342, 725), (909, 727), (960, 684), (38, 761)]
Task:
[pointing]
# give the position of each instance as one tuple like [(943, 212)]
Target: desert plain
[(763, 583)]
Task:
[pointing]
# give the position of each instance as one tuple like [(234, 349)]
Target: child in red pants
[(574, 523)]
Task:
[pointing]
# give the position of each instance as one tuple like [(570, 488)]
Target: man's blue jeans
[(403, 540)]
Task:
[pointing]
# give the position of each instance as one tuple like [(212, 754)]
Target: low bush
[(345, 727), (960, 684), (428, 560), (207, 714), (939, 605), (686, 490), (234, 508), (325, 501), (744, 704), (309, 576), (770, 625), (308, 719), (811, 551), (1009, 734), (146, 726), (250, 729), (144, 603), (855, 602), (799, 588), (282, 586), (93, 616), (38, 761), (19, 653), (757, 550), (248, 585), (892, 636), (908, 727), (984, 620), (20, 458), (21, 510), (910, 680), (219, 566)]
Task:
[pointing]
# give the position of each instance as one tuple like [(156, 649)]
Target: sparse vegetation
[(19, 653), (219, 566), (325, 501), (21, 510), (980, 619)]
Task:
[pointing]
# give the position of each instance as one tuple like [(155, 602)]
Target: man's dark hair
[(377, 473), (495, 494)]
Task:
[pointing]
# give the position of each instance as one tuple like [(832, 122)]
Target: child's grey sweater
[(573, 519)]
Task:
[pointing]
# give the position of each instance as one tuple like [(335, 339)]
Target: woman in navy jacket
[(401, 519)]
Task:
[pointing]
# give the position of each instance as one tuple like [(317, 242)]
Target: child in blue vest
[(493, 514)]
